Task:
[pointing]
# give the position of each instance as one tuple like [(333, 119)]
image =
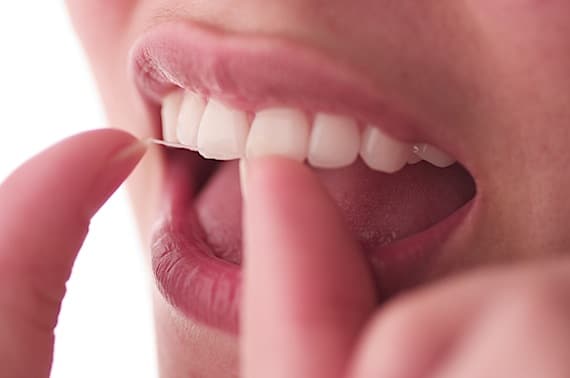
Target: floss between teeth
[(164, 143)]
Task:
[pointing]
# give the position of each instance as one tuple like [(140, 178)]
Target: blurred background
[(46, 94)]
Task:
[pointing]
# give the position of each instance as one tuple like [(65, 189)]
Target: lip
[(251, 73), (187, 272), (207, 289)]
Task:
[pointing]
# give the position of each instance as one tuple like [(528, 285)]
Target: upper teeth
[(220, 132), (279, 131)]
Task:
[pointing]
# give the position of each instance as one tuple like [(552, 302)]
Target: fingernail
[(134, 150)]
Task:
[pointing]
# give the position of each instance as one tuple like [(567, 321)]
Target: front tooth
[(383, 153), (433, 155), (223, 132), (279, 131), (334, 142), (191, 111), (170, 109)]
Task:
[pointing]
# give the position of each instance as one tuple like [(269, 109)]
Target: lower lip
[(206, 289)]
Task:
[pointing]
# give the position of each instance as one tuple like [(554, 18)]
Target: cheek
[(524, 22), (513, 7), (99, 21), (103, 27), (528, 38)]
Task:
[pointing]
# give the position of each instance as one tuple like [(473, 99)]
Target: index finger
[(307, 288)]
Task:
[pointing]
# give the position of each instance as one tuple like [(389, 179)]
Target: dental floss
[(165, 143)]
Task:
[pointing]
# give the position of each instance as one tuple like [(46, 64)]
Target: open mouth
[(224, 98)]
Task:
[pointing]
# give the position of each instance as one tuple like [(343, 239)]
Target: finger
[(524, 332), (307, 287), (422, 334), (412, 335), (45, 208)]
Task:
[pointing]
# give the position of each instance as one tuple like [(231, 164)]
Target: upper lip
[(255, 72)]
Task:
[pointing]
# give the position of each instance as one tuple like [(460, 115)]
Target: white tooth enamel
[(169, 112), (223, 132), (191, 111), (220, 132), (414, 159), (383, 153), (433, 155), (279, 131), (334, 142)]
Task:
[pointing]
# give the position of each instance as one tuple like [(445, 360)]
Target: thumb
[(307, 287), (45, 208)]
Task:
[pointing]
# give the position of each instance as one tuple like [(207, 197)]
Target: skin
[(500, 72), (42, 231)]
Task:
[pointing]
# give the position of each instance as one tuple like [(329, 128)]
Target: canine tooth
[(169, 113), (279, 131), (191, 111), (383, 153), (433, 155), (334, 141), (223, 132)]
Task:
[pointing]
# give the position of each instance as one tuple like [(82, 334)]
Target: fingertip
[(298, 257), (274, 174)]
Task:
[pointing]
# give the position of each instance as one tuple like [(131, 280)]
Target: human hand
[(45, 209), (309, 302)]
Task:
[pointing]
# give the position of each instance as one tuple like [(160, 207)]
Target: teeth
[(170, 110), (223, 132), (414, 159), (191, 111), (219, 132), (433, 155), (382, 153), (279, 131), (334, 142)]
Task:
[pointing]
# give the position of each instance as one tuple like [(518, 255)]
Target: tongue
[(378, 208)]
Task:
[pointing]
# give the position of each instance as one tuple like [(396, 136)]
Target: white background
[(46, 94)]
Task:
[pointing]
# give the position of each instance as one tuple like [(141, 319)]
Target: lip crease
[(252, 73)]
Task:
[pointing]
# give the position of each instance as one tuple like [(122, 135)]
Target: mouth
[(228, 97)]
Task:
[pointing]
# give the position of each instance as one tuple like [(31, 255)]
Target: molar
[(414, 159), (433, 155)]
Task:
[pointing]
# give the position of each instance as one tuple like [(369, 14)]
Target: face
[(484, 81)]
